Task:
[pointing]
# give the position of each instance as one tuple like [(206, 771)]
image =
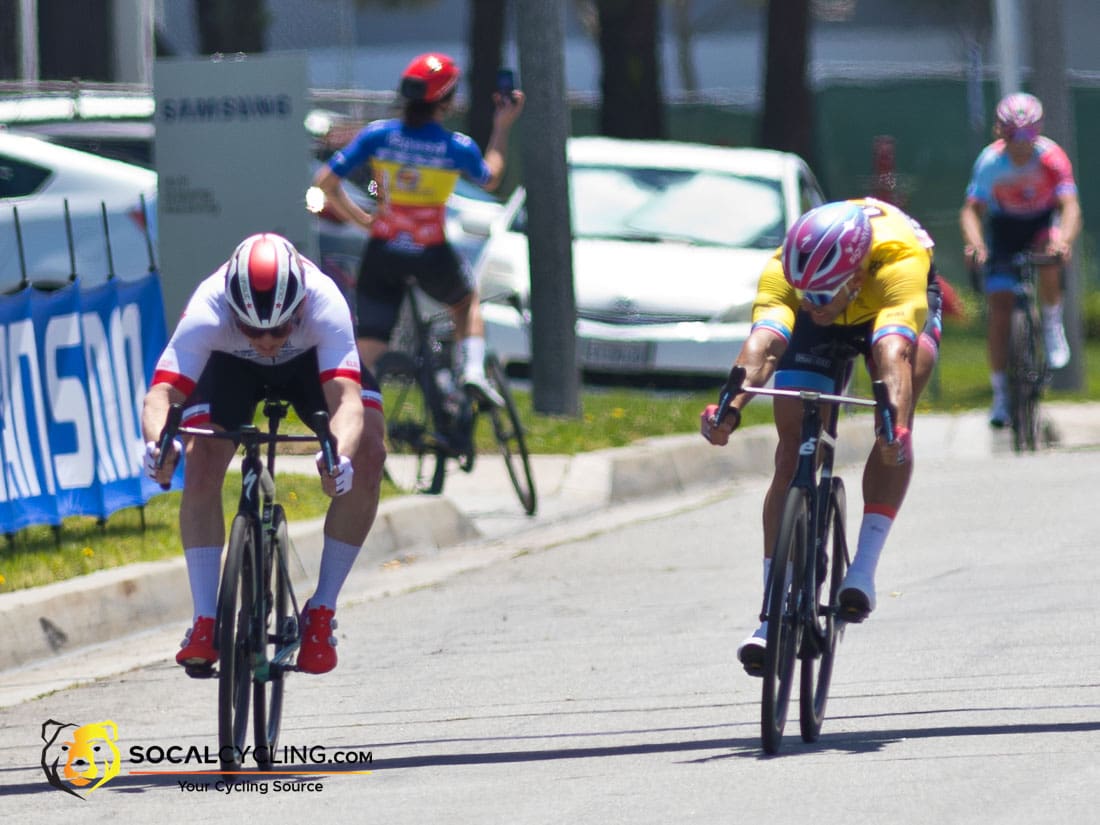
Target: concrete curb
[(44, 622)]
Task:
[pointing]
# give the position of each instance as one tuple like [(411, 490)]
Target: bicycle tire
[(784, 625), (234, 618), (1025, 379), (267, 696), (508, 432), (817, 670), (413, 464)]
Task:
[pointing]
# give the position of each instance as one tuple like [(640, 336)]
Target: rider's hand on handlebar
[(340, 481), (900, 450), (718, 434), (1058, 248), (976, 255), (152, 454)]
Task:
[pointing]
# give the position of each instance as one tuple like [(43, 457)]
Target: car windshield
[(676, 205)]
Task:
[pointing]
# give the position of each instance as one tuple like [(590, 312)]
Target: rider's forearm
[(345, 414), (970, 223), (759, 356), (154, 409), (1069, 226), (330, 183), (496, 156), (894, 356)]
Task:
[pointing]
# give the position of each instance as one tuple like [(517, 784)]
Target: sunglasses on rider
[(822, 298), (1025, 134), (255, 333)]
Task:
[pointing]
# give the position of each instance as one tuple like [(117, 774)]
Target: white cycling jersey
[(208, 325)]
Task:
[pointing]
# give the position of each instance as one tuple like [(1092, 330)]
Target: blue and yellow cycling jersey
[(416, 169), (893, 295)]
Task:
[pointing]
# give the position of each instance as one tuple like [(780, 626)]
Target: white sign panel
[(232, 157)]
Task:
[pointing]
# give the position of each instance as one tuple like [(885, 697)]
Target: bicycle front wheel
[(235, 599), (784, 624), (508, 431), (817, 670), (414, 463), (280, 631), (1026, 374)]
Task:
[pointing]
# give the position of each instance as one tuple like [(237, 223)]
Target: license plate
[(616, 355)]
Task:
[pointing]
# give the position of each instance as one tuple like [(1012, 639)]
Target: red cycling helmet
[(265, 281), (1020, 115), (825, 247), (429, 78)]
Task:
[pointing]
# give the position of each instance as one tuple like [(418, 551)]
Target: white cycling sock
[(472, 351), (204, 567), (872, 538), (337, 558), (1052, 315), (999, 381)]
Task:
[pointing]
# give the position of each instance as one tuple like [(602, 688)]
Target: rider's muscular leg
[(1000, 322), (788, 424), (201, 520), (351, 515)]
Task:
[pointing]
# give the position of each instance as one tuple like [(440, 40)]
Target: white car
[(36, 179), (668, 243)]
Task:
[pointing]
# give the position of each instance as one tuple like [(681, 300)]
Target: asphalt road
[(586, 674)]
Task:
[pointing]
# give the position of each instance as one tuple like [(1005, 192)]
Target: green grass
[(612, 417)]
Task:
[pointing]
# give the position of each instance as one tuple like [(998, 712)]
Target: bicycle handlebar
[(734, 386), (319, 423)]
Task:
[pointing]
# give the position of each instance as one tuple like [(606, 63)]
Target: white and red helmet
[(826, 246), (265, 281)]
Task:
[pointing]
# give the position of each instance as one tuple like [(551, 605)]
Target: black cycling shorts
[(820, 357), (229, 389), (383, 273)]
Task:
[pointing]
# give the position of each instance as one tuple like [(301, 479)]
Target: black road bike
[(1027, 372), (258, 622), (430, 420), (810, 550)]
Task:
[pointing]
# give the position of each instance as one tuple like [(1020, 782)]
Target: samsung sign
[(225, 108), (232, 157), (74, 367)]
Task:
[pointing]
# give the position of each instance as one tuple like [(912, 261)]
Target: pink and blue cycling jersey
[(1027, 191)]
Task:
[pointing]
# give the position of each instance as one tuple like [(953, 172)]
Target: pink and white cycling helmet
[(265, 281), (825, 248), (1020, 115)]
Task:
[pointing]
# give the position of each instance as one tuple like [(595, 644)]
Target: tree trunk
[(787, 123), (689, 78), (75, 44), (632, 105), (555, 380), (230, 26), (487, 20)]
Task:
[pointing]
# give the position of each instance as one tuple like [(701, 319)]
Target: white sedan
[(36, 180), (668, 243)]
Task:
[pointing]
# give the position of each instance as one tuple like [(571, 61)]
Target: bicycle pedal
[(200, 671)]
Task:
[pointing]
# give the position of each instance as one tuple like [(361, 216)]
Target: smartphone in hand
[(506, 83)]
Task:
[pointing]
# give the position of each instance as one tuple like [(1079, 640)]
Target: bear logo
[(86, 759)]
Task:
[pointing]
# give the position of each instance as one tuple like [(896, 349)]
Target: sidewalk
[(58, 619)]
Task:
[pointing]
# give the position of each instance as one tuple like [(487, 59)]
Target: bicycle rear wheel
[(508, 431), (1025, 379), (235, 599), (817, 670), (784, 625), (414, 463), (280, 631)]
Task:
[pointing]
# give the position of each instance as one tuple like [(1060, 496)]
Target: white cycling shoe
[(478, 386), (750, 653), (857, 597), (1054, 337)]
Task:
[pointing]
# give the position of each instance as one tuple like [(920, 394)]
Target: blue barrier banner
[(74, 367)]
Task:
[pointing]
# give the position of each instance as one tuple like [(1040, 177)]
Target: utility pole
[(540, 26), (1048, 81)]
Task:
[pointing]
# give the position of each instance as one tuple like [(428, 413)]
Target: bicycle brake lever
[(730, 391), (171, 427), (885, 408), (318, 422)]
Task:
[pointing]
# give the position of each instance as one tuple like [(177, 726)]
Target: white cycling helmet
[(265, 281)]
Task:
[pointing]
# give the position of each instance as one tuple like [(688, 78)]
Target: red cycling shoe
[(197, 647), (318, 651)]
